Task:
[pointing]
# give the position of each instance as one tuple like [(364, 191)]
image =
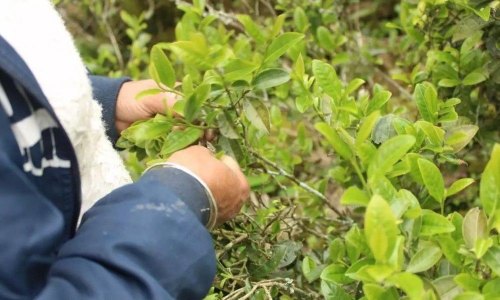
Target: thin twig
[(233, 243), (300, 183), (112, 36), (396, 85), (269, 7)]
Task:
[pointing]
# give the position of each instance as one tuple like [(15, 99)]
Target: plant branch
[(300, 183)]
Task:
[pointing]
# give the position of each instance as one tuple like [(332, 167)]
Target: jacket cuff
[(186, 187), (105, 91)]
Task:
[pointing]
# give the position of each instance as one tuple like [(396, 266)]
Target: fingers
[(235, 167), (157, 104), (223, 177)]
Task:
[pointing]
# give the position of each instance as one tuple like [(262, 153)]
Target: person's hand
[(129, 110), (223, 177)]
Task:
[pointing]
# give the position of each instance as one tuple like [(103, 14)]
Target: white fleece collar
[(37, 33)]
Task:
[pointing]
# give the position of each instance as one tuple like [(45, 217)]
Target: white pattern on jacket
[(36, 31)]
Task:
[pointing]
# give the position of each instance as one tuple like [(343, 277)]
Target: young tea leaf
[(389, 153), (490, 184), (355, 196), (458, 186), (257, 113), (195, 102), (474, 227), (252, 29), (380, 229), (160, 68), (424, 259), (365, 130), (425, 96), (300, 19), (433, 180), (492, 259), (411, 284), (327, 79), (270, 78), (458, 137), (335, 273), (281, 44), (434, 223), (341, 147), (178, 140)]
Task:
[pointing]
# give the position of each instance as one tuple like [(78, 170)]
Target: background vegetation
[(367, 130)]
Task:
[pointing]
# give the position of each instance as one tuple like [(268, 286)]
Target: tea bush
[(368, 131)]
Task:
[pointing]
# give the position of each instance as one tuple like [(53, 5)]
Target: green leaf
[(446, 82), (354, 85), (481, 246), (195, 102), (327, 79), (371, 273), (281, 44), (252, 29), (300, 19), (460, 136), (335, 273), (490, 185), (492, 288), (474, 78), (238, 69), (325, 38), (434, 134), (458, 186), (298, 68), (389, 153), (310, 269), (332, 291), (341, 147), (433, 223), (424, 259), (446, 287), (199, 4), (258, 114), (469, 296), (378, 101), (492, 259), (449, 246), (148, 92), (178, 140), (433, 180), (474, 227), (193, 52), (226, 126), (160, 68), (483, 13), (278, 24), (355, 196), (366, 127), (425, 96), (467, 282), (380, 229), (141, 133), (411, 284), (270, 78)]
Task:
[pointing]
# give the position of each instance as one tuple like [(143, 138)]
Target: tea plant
[(372, 150)]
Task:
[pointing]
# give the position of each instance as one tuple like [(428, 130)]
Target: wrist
[(207, 211)]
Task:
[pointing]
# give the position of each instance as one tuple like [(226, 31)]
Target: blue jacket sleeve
[(105, 91), (141, 241)]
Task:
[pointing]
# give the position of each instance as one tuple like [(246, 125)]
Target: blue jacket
[(143, 241)]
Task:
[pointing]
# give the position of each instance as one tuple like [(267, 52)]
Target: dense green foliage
[(367, 130)]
